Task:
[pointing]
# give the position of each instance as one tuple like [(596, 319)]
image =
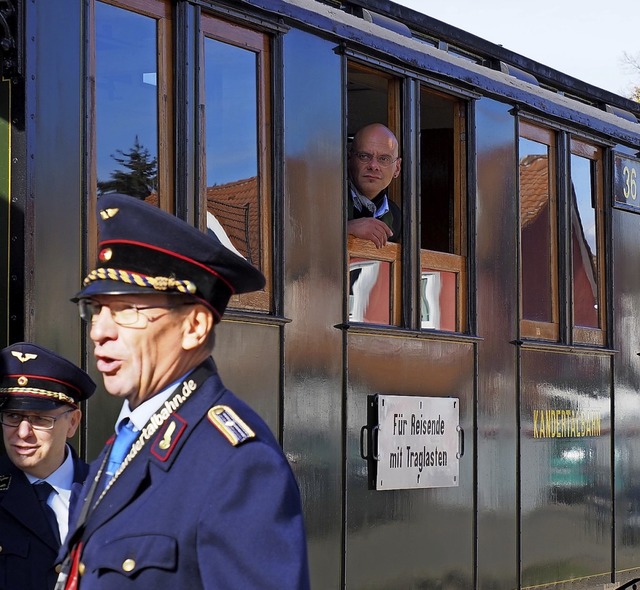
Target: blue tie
[(120, 448), (43, 490)]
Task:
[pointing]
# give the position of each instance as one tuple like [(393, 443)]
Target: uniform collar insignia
[(166, 440), (5, 482)]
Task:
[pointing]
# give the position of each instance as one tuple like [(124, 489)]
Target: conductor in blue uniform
[(201, 496), (40, 394)]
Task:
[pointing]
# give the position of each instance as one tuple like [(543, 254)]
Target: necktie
[(43, 490), (120, 448)]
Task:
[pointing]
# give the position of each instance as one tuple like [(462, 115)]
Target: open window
[(375, 294), (443, 262)]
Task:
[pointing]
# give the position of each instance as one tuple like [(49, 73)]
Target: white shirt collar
[(62, 478), (140, 416)]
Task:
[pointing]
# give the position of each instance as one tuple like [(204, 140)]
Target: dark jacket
[(393, 217), (192, 510), (28, 547)]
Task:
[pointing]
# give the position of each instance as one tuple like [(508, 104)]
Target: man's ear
[(74, 422), (197, 325)]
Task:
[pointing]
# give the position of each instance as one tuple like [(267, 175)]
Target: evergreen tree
[(140, 177)]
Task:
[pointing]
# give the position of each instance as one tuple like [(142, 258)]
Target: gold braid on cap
[(133, 278), (61, 397)]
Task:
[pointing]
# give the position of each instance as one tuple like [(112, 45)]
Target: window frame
[(453, 262), (535, 329), (582, 334), (161, 11), (258, 42)]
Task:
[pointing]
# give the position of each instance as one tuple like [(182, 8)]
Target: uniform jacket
[(28, 547), (193, 511)]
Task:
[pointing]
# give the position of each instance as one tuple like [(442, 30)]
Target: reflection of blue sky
[(231, 117), (126, 98)]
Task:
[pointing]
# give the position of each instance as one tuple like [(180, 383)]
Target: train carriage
[(503, 324)]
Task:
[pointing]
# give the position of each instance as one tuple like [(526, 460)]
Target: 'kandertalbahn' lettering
[(565, 423)]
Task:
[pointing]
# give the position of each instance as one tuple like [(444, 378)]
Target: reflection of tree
[(140, 178)]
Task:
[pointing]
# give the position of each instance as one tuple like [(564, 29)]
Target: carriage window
[(373, 97), (236, 73), (442, 223), (538, 242), (579, 240), (586, 254), (132, 150)]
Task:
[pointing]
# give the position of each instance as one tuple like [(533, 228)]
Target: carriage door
[(409, 364)]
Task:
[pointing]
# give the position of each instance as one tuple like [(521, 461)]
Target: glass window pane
[(536, 220), (126, 102), (370, 289), (584, 244), (232, 172), (438, 300)]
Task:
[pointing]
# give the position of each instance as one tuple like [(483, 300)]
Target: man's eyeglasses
[(365, 157), (37, 421), (123, 314)]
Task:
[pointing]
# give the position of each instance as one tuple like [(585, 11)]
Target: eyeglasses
[(384, 161), (123, 314), (37, 421)]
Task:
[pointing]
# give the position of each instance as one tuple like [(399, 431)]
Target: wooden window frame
[(581, 334), (161, 11), (260, 43), (530, 328), (392, 252), (454, 262)]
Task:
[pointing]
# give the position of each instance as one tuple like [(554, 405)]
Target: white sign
[(417, 442)]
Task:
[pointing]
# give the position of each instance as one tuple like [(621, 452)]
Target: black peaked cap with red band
[(35, 378), (146, 250)]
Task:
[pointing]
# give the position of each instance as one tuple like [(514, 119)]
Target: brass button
[(1, 548), (81, 568), (58, 568), (128, 565)]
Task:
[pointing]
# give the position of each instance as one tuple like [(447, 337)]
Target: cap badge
[(105, 254), (108, 213), (22, 381), (23, 357)]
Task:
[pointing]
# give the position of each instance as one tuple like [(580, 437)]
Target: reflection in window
[(126, 102), (584, 243), (232, 145), (438, 300), (370, 291), (536, 222)]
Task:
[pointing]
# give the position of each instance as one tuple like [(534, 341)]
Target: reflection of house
[(535, 232), (236, 206)]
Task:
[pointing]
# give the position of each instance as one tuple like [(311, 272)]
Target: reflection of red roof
[(236, 206), (534, 187)]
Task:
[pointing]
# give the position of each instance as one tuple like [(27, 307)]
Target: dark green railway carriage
[(515, 289)]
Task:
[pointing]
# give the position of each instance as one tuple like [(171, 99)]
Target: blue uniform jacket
[(197, 512), (28, 548)]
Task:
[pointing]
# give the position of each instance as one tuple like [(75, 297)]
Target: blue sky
[(586, 39)]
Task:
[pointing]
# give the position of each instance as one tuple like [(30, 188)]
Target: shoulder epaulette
[(230, 424)]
